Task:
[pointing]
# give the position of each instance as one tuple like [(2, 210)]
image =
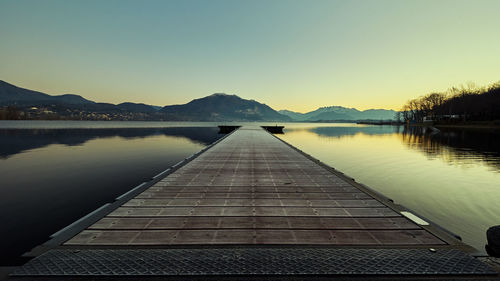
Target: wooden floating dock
[(252, 206), (274, 129)]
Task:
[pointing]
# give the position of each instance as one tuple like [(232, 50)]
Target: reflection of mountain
[(338, 132), (456, 145), (13, 141)]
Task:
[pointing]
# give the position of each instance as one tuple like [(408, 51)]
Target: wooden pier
[(253, 206)]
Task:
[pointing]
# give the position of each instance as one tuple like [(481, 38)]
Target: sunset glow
[(292, 55)]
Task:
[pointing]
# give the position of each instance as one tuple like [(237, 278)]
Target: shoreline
[(469, 126), (479, 126)]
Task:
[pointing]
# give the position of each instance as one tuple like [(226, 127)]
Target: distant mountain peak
[(335, 112), (222, 107), (334, 107), (215, 107), (223, 95), (13, 95)]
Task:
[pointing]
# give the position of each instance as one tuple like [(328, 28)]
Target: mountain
[(294, 115), (12, 95), (333, 113), (136, 107), (326, 116), (379, 114), (222, 107), (19, 103)]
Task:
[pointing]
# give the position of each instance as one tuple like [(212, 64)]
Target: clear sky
[(296, 55)]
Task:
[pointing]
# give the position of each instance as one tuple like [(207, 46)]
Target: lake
[(451, 177), (54, 172)]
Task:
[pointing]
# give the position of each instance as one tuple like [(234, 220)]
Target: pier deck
[(264, 208)]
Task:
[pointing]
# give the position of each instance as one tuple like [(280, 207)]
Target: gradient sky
[(296, 55)]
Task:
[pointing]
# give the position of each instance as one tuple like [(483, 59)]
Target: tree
[(469, 101)]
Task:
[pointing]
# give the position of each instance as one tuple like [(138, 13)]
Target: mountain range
[(27, 104), (20, 97), (333, 113), (222, 107)]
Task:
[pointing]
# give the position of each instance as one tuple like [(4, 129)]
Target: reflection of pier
[(251, 207)]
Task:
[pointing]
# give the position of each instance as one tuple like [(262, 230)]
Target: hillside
[(19, 103), (13, 95), (222, 107), (333, 113)]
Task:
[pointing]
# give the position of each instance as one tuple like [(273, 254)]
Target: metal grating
[(253, 261)]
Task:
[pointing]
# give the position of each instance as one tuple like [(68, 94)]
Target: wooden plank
[(251, 188), (221, 222)]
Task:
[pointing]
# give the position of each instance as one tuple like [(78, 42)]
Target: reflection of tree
[(455, 146), (13, 141), (464, 147)]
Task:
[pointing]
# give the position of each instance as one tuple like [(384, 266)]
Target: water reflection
[(450, 176), (52, 177), (13, 141), (455, 146), (342, 131)]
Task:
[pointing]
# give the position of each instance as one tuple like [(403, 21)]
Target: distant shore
[(491, 125), (466, 125), (384, 122)]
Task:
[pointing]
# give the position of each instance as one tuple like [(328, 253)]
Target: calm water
[(53, 173), (52, 177), (451, 177)]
